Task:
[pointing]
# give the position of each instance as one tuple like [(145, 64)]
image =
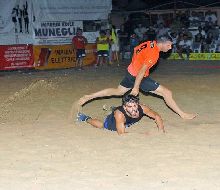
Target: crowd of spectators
[(190, 32)]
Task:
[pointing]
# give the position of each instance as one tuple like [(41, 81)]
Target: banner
[(56, 32), (62, 56), (197, 56), (53, 10), (16, 57), (48, 22)]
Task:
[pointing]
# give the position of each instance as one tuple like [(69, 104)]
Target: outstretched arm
[(138, 80), (154, 115), (119, 119)]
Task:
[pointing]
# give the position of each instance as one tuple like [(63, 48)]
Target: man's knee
[(121, 90), (165, 92)]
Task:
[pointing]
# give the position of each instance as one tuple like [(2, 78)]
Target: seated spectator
[(208, 41), (187, 33), (215, 31), (139, 31), (199, 41), (179, 38), (151, 34), (174, 37), (211, 17), (201, 31), (184, 46), (208, 25)]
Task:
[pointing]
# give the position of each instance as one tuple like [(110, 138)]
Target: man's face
[(79, 33), (166, 46), (132, 109)]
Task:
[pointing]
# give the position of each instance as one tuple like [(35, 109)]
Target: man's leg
[(80, 63), (103, 93), (168, 98), (95, 123)]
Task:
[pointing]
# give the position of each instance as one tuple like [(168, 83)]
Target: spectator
[(208, 25), (102, 43), (174, 37), (208, 41), (79, 42), (187, 33), (115, 45), (109, 37), (123, 40), (199, 41), (200, 31), (199, 37), (215, 31), (139, 31), (184, 46)]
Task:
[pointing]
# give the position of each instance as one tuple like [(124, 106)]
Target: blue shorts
[(147, 84), (80, 53), (109, 123)]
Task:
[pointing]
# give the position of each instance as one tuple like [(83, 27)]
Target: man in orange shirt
[(145, 56)]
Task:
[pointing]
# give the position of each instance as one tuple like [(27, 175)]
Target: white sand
[(40, 150)]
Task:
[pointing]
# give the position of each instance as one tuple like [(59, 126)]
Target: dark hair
[(102, 32), (130, 98)]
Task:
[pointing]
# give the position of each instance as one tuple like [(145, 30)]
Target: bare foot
[(188, 116)]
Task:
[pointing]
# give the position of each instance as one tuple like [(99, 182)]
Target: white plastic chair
[(196, 47), (212, 48)]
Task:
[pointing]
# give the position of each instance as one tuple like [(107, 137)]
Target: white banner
[(53, 10), (47, 21)]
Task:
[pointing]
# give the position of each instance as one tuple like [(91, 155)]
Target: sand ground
[(40, 150)]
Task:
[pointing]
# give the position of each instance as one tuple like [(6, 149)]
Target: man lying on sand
[(129, 113)]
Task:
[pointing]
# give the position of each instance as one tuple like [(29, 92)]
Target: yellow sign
[(60, 56), (197, 56)]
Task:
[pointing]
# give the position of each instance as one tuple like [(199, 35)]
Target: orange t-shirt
[(145, 53)]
